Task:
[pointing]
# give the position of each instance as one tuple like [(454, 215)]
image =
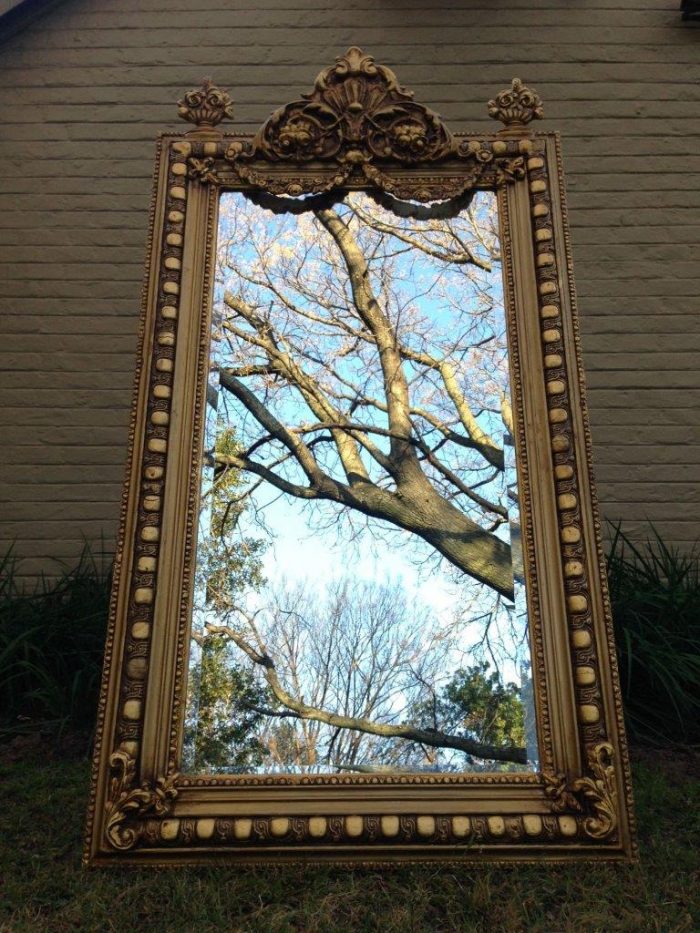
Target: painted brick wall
[(88, 86)]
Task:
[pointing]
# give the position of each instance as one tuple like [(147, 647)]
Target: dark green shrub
[(655, 595), (51, 646)]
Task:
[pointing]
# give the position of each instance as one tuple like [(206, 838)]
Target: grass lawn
[(43, 888)]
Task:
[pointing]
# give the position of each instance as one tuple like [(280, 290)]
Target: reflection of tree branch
[(293, 489), (507, 414), (495, 457), (278, 430), (431, 737), (268, 711), (376, 321), (375, 769), (464, 257), (405, 494), (282, 364), (458, 484)]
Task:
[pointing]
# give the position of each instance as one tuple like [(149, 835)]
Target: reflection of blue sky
[(310, 554), (307, 542)]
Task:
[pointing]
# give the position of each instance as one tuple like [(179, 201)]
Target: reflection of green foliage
[(228, 563), (479, 706), (222, 734), (221, 727)]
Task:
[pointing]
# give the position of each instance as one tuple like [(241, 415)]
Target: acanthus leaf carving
[(128, 802), (599, 791), (594, 794)]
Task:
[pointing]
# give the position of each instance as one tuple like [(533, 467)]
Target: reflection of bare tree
[(357, 396), (344, 672)]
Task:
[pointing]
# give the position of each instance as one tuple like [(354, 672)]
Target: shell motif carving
[(357, 112), (128, 803)]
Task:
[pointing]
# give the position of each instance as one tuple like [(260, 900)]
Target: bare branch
[(464, 257), (431, 737)]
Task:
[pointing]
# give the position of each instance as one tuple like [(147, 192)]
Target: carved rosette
[(205, 106), (128, 803), (516, 106)]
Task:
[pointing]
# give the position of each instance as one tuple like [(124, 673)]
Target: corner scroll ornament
[(515, 107), (128, 803), (206, 107), (594, 795)]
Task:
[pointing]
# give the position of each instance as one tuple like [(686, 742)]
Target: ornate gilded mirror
[(359, 608)]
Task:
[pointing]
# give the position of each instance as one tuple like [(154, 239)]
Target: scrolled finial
[(205, 106), (515, 107)]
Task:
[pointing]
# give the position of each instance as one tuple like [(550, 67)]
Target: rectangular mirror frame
[(579, 806)]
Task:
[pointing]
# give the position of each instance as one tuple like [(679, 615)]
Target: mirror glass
[(359, 601)]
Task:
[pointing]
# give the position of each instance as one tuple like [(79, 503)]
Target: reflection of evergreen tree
[(221, 728), (223, 733), (228, 564), (476, 704)]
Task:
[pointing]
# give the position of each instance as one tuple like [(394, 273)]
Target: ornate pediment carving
[(357, 112), (358, 125)]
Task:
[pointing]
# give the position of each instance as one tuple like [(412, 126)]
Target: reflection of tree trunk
[(413, 502), (419, 508), (465, 544)]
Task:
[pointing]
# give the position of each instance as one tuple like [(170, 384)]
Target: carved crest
[(358, 124), (356, 112)]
